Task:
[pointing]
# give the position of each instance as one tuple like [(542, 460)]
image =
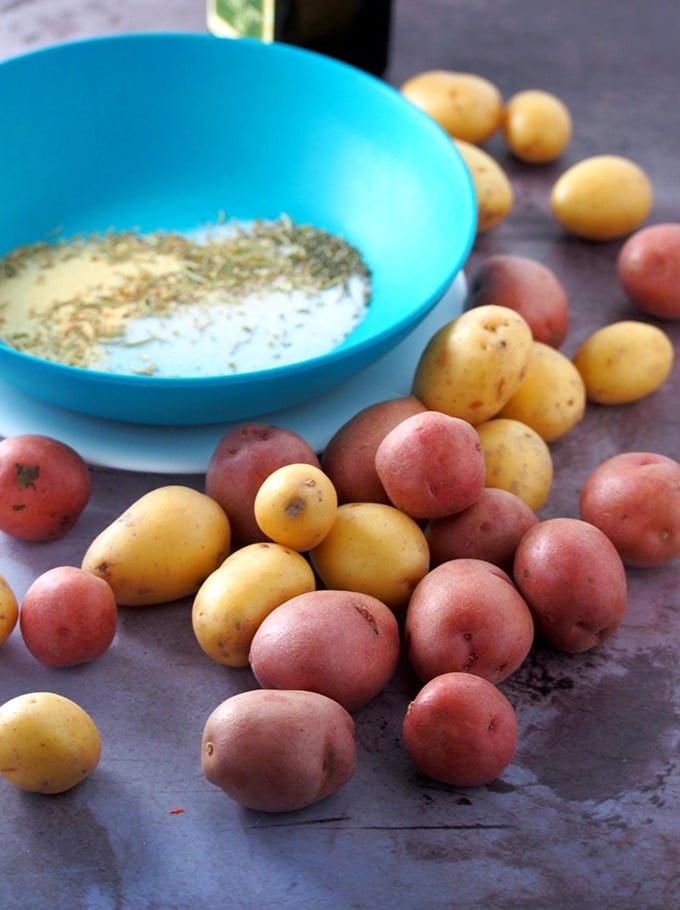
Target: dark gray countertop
[(588, 813)]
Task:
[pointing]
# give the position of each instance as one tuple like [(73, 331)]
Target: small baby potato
[(552, 396), (68, 616), (232, 602), (9, 610), (472, 365), (624, 362), (161, 547), (340, 643), (634, 498), (48, 743), (602, 198), (527, 286), (648, 268), (296, 505), (242, 459), (349, 456), (493, 190), (373, 549), (574, 582), (44, 487), (460, 730), (431, 465), (536, 126), (467, 616), (490, 529), (278, 751), (517, 460), (466, 105)]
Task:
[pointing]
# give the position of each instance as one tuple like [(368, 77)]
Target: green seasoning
[(73, 301)]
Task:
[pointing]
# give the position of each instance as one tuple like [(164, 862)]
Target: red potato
[(278, 751), (349, 457), (648, 269), (68, 617), (342, 644), (489, 529), (467, 616), (527, 286), (44, 487), (242, 459), (431, 465), (460, 730), (574, 582), (634, 498)]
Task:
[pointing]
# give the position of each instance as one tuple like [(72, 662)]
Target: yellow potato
[(517, 460), (233, 601), (466, 105), (551, 398), (493, 190), (472, 365), (624, 361), (9, 610), (373, 549), (536, 126), (602, 198), (296, 505), (48, 743), (162, 547)]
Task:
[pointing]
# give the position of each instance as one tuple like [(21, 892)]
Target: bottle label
[(241, 18)]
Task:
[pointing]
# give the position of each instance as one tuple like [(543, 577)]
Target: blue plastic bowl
[(164, 131)]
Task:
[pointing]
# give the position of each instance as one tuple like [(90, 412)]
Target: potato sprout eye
[(295, 507)]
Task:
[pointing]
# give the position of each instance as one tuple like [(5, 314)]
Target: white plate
[(187, 450)]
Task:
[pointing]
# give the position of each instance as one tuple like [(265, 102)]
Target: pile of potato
[(599, 198), (414, 535)]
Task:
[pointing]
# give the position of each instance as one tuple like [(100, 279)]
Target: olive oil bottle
[(356, 31)]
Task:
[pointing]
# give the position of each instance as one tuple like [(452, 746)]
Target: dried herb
[(246, 260)]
